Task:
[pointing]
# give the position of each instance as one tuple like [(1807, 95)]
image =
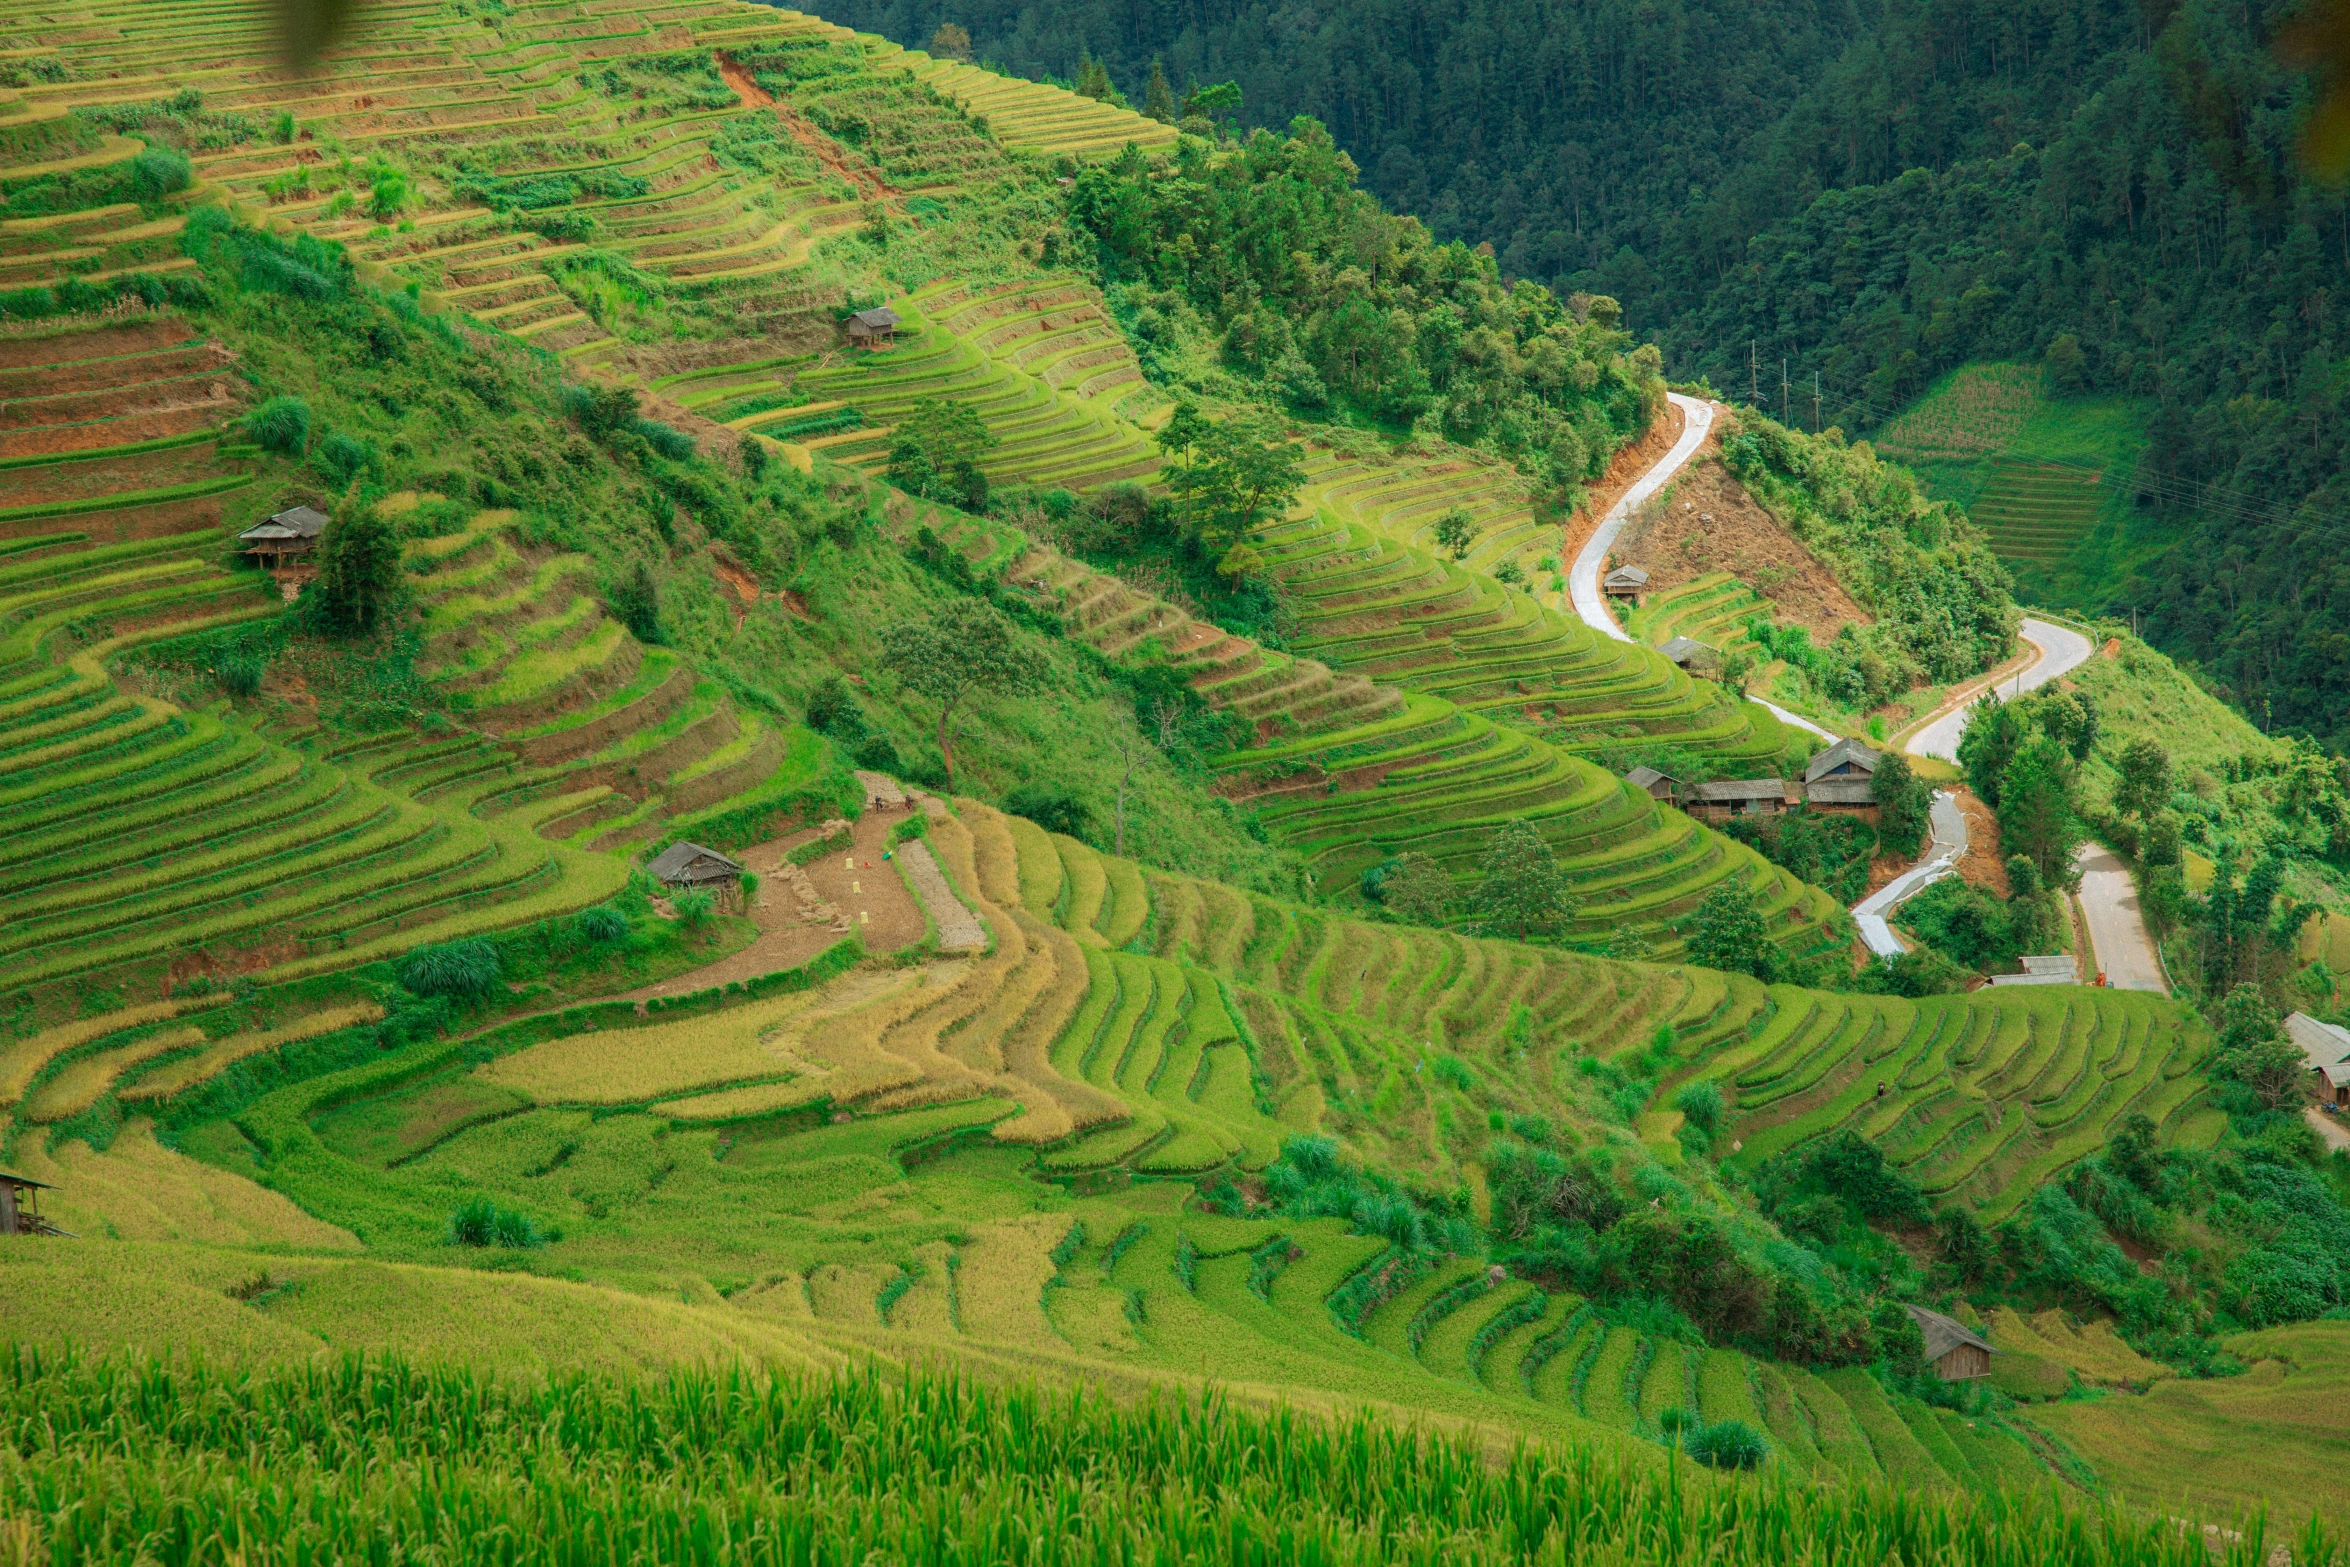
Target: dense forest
[(1872, 193)]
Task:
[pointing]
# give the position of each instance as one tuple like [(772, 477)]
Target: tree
[(2144, 786), (635, 599), (2253, 1048), (1417, 890), (936, 450), (965, 648), (1093, 81), (1905, 804), (281, 425), (1727, 933), (1229, 477), (1158, 99), (1456, 533), (1525, 888), (2067, 366), (952, 41), (358, 572), (1994, 732), (2038, 817), (1214, 104)]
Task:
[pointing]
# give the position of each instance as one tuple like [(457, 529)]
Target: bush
[(281, 425), (603, 925), (667, 439), (465, 969), (159, 171), (1726, 1444), (481, 1222), (1052, 807), (1702, 1104), (694, 908), (343, 458)]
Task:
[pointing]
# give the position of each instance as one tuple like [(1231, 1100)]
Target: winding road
[(2122, 949)]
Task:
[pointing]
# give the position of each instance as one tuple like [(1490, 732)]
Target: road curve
[(2061, 651), (1591, 607), (1940, 859)]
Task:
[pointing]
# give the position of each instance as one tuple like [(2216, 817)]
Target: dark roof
[(1944, 1334), (1682, 649), (297, 522), (879, 318), (2324, 1047), (7, 1179), (689, 862), (1844, 753), (1744, 789), (1627, 577), (1842, 791), (1643, 777)]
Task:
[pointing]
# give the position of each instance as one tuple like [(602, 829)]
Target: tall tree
[(358, 571), (1524, 889), (1904, 804), (1230, 477), (935, 452), (1994, 732), (2039, 814), (1727, 932), (2144, 785), (966, 648), (1158, 99)]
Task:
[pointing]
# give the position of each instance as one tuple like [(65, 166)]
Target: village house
[(2325, 1049), (1728, 797), (1956, 1352), (1843, 779), (1625, 582), (288, 536), (875, 328), (688, 865)]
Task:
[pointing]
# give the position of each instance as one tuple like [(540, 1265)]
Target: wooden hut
[(1625, 582), (1695, 656), (1656, 785), (1956, 1352), (2325, 1050), (20, 1206), (875, 328), (288, 536), (1729, 797), (687, 865)]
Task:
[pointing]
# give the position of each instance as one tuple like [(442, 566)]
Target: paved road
[(1591, 605), (2122, 949), (1940, 859), (2061, 651)]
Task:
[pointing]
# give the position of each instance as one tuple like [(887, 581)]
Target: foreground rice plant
[(123, 1460)]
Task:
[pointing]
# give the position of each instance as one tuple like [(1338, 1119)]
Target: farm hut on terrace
[(20, 1206), (1956, 1352), (684, 866), (1729, 797), (289, 535), (1625, 582), (1656, 785), (875, 328), (1691, 654)]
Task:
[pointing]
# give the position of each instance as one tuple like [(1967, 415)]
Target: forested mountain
[(1873, 193)]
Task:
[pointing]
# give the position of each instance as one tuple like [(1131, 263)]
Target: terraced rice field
[(1712, 609), (2037, 511), (1983, 1099), (138, 835), (1127, 1026), (1034, 116)]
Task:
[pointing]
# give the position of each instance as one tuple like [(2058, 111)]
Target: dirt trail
[(870, 185)]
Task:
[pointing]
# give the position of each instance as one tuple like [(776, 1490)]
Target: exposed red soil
[(103, 374), (121, 526), (1982, 864), (93, 343), (49, 485), (746, 586), (823, 148), (1706, 522), (1622, 473)]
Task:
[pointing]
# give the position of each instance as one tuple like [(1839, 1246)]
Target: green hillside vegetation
[(2048, 479), (1166, 1037)]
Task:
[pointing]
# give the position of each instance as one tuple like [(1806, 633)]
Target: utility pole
[(1753, 376), (1815, 402), (1782, 391)]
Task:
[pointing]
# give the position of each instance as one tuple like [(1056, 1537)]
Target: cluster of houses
[(1841, 779)]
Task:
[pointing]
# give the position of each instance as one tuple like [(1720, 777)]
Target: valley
[(765, 795)]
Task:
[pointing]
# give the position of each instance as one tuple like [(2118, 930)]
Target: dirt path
[(857, 881), (869, 183)]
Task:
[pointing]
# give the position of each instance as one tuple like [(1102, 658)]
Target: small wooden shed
[(1695, 656), (690, 865), (1956, 1352), (289, 535), (875, 328), (1625, 582), (1656, 785), (20, 1206), (1728, 797)]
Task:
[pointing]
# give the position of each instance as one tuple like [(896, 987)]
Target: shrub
[(605, 925), (481, 1222), (1726, 1444), (240, 672), (667, 439), (281, 425), (343, 458), (1702, 1104), (464, 969), (1052, 807), (694, 908), (282, 130), (159, 171)]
